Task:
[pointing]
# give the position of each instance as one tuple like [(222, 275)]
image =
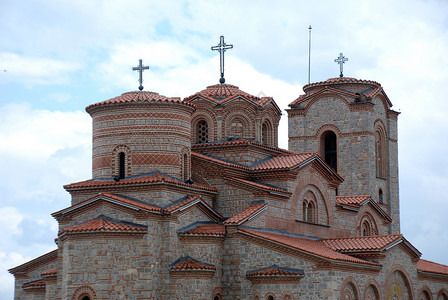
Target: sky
[(57, 57)]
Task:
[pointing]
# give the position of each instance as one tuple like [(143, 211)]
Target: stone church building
[(192, 199)]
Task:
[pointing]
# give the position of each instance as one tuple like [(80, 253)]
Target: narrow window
[(330, 150), (305, 211), (202, 132), (311, 212), (380, 196), (365, 228), (122, 165), (185, 167)]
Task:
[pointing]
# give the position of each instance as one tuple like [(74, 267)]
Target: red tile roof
[(188, 263), (246, 214), (431, 267), (354, 201), (139, 97), (259, 185), (35, 284), (50, 272), (107, 197), (286, 161), (338, 80), (358, 201), (207, 229), (189, 201), (311, 247), (275, 271), (154, 178), (362, 243), (104, 224)]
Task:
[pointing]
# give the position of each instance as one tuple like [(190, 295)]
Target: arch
[(267, 133), (366, 225), (398, 280), (349, 289), (324, 214), (237, 124), (380, 149), (371, 290), (84, 293), (326, 95), (287, 296), (424, 293), (442, 294), (121, 161), (269, 296), (329, 135), (310, 211), (209, 128)]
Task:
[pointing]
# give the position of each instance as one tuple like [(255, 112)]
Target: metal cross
[(222, 47), (140, 68), (341, 60)]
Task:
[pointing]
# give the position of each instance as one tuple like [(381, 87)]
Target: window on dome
[(266, 133), (380, 160), (122, 165), (202, 132), (330, 149)]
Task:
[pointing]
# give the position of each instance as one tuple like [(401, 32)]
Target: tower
[(141, 132), (350, 123)]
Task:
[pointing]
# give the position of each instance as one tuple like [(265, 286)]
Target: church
[(193, 199)]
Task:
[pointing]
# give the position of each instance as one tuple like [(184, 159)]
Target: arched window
[(380, 196), (305, 211), (365, 229), (86, 298), (122, 165), (185, 167), (266, 134), (202, 132), (330, 150), (380, 151)]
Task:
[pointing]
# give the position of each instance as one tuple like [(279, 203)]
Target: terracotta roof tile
[(50, 272), (144, 179), (190, 201), (259, 185), (363, 243), (218, 161), (355, 201), (337, 80), (207, 229), (285, 161), (139, 97), (105, 224), (274, 271), (306, 245), (188, 263), (35, 284), (246, 214), (431, 267)]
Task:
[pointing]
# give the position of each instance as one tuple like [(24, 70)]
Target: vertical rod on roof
[(309, 54)]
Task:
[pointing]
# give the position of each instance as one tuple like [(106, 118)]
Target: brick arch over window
[(380, 149), (185, 159), (329, 136), (424, 293), (398, 275), (371, 290), (287, 296), (267, 133), (121, 161), (84, 293), (238, 125), (311, 204), (366, 225), (442, 294), (269, 296), (203, 129), (349, 289)]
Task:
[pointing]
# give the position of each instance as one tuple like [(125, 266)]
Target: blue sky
[(57, 57)]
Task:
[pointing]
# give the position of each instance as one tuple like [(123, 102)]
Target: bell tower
[(350, 124)]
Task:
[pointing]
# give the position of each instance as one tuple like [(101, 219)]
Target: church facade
[(193, 199)]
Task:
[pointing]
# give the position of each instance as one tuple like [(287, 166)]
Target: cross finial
[(140, 68), (222, 47), (341, 60)]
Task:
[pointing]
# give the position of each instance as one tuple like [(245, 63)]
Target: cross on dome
[(222, 47), (140, 68), (341, 60)]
